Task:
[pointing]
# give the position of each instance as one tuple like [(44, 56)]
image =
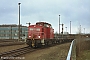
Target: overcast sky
[(76, 11)]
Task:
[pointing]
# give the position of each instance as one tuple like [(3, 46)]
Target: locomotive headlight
[(38, 36), (29, 36)]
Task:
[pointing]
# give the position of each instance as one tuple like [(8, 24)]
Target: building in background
[(11, 31)]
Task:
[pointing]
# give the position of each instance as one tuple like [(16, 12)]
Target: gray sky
[(76, 11)]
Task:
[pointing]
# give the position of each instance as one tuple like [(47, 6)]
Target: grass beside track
[(84, 55)]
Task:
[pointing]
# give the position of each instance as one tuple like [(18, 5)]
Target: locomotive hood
[(34, 31)]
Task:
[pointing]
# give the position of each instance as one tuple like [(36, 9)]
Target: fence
[(72, 51)]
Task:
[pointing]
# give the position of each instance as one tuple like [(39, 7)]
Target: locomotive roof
[(43, 23)]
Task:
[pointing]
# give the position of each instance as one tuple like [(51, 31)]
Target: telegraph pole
[(11, 32), (70, 27), (84, 30), (66, 32), (80, 29), (19, 23)]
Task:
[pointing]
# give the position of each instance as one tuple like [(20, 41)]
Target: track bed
[(58, 52)]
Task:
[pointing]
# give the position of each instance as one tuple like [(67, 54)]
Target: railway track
[(17, 52), (20, 51), (10, 43)]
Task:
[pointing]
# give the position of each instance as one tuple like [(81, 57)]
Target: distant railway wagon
[(40, 34)]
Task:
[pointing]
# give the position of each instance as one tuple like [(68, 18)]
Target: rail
[(14, 53), (72, 54), (10, 43)]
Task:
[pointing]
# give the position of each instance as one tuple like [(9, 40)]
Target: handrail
[(70, 51)]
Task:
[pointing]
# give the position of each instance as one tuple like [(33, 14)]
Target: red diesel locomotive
[(39, 34)]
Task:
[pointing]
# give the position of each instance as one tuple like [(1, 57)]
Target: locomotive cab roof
[(45, 24)]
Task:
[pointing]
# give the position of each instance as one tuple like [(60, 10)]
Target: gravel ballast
[(58, 52), (9, 48)]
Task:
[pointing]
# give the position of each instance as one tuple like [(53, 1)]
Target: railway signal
[(66, 29), (59, 24), (62, 30), (28, 23)]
